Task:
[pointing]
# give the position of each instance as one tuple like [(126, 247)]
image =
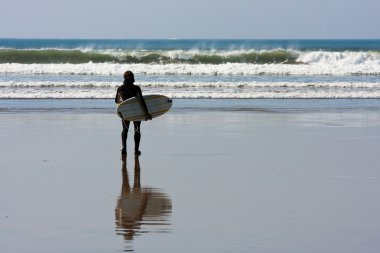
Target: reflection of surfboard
[(131, 110)]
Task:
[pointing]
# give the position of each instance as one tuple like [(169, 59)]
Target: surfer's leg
[(124, 135), (137, 136)]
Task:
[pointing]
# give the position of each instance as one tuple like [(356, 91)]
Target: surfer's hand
[(148, 117)]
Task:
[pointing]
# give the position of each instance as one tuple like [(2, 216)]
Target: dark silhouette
[(124, 92)]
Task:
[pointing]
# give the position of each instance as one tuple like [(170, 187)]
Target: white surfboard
[(131, 110)]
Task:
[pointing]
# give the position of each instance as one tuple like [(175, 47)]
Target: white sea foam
[(311, 63), (194, 89), (340, 58)]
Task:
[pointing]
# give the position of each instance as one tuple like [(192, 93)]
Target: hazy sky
[(147, 19)]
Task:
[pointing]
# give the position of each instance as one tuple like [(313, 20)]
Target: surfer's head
[(129, 78)]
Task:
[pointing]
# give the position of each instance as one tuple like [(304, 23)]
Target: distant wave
[(279, 56), (30, 56), (163, 57)]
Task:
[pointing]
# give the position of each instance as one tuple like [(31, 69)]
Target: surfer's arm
[(143, 106), (118, 98)]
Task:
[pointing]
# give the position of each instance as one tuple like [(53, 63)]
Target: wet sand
[(207, 181)]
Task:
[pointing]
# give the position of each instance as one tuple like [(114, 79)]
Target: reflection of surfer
[(130, 207), (124, 92), (137, 204)]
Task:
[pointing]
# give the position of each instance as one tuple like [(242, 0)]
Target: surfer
[(124, 92)]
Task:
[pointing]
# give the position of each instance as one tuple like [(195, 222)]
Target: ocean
[(239, 69)]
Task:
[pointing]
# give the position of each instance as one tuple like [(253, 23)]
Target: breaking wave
[(163, 57), (341, 66), (195, 56)]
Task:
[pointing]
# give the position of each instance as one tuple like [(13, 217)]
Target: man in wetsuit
[(124, 92)]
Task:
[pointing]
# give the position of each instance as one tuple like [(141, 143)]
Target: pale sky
[(191, 19)]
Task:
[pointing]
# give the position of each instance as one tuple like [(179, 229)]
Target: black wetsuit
[(125, 92)]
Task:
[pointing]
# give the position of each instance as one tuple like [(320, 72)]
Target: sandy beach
[(265, 179)]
